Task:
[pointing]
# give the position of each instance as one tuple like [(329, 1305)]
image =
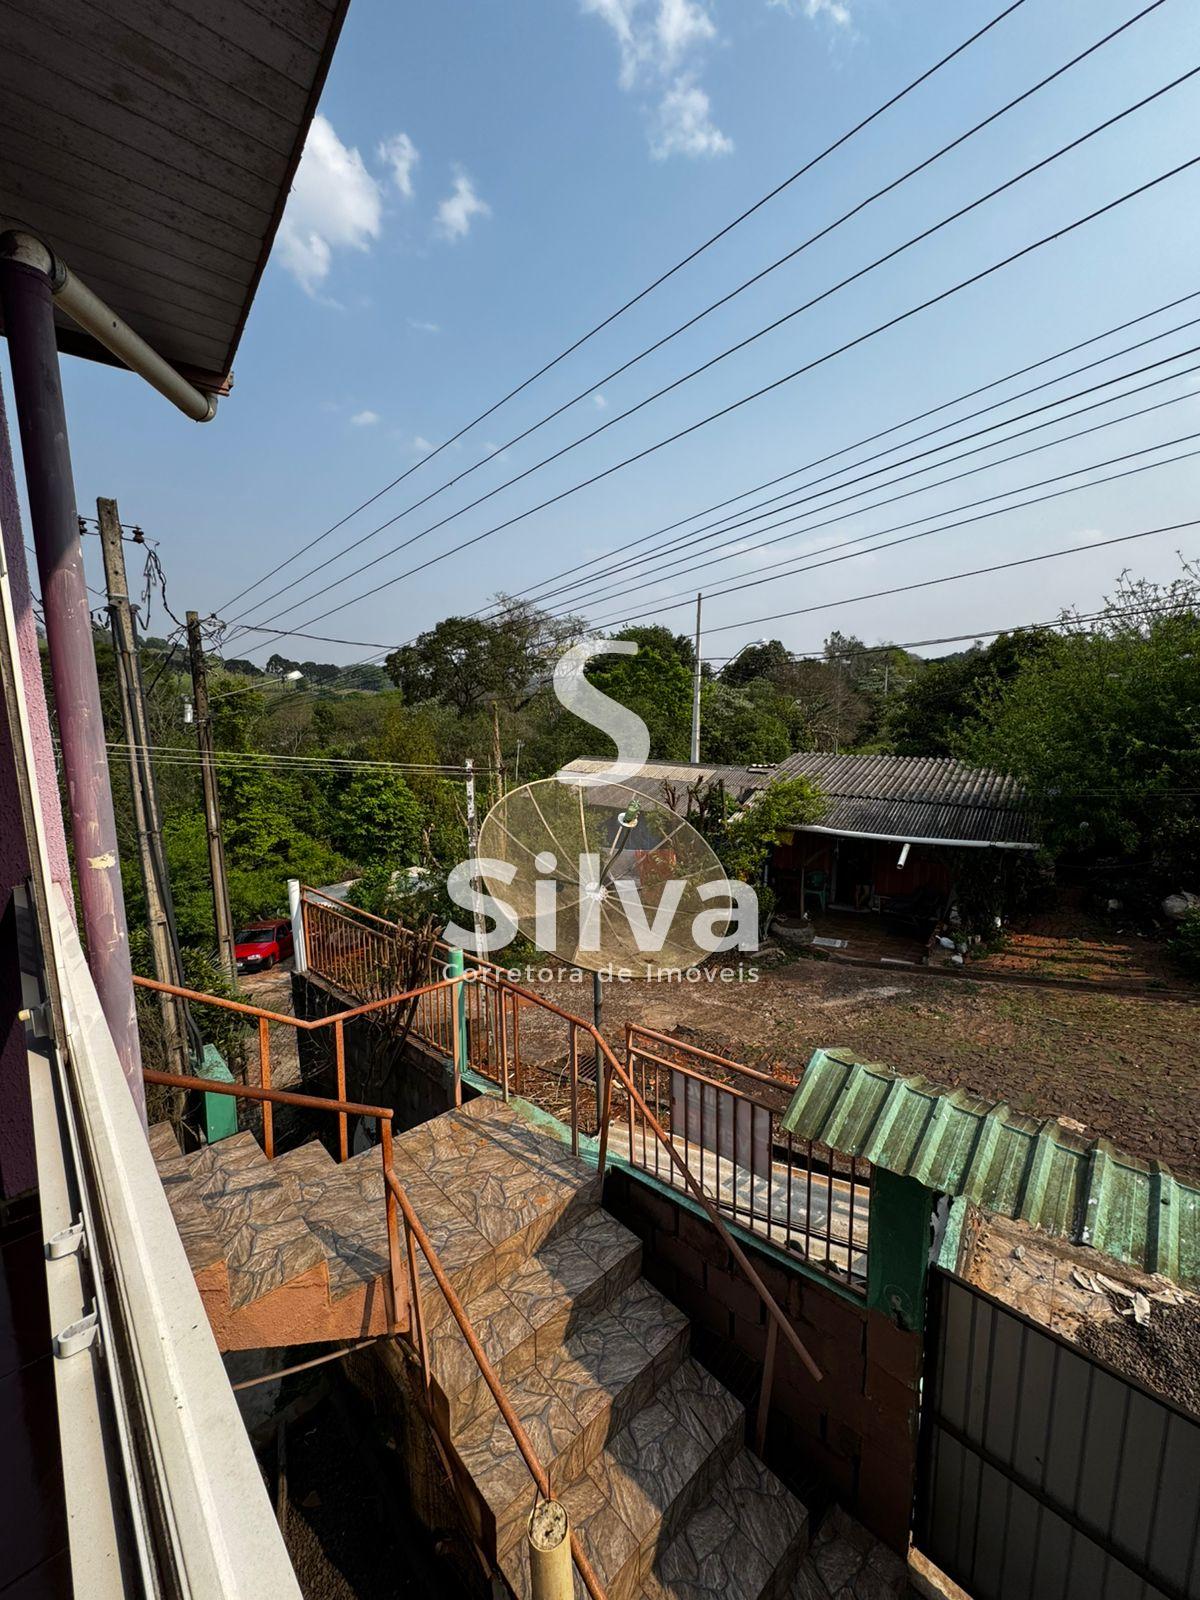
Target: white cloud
[(424, 327), (364, 419), (335, 204), (684, 125), (658, 42), (401, 154), (836, 10), (599, 402), (421, 444), (461, 205), (680, 26)]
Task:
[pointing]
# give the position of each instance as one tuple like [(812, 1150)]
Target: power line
[(956, 577), (777, 383), (277, 758), (895, 427), (723, 355), (577, 344), (650, 580), (500, 450), (1061, 621), (729, 523), (660, 606)]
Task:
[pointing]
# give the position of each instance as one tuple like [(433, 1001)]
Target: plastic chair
[(816, 883)]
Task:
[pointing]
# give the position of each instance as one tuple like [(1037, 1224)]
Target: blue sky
[(487, 180)]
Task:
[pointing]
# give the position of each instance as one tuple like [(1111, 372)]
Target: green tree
[(739, 726), (378, 818), (768, 660), (1103, 725)]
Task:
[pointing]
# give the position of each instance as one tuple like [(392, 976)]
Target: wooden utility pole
[(141, 783), (222, 916), (497, 757), (696, 688)]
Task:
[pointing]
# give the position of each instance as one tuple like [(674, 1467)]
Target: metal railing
[(494, 1050), (406, 1317), (723, 1117)]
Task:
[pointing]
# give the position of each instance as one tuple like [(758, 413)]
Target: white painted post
[(299, 953)]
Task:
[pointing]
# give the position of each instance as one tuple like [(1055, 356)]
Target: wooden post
[(222, 916), (696, 688), (141, 783)]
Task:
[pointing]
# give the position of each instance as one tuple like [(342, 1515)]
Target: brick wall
[(852, 1436)]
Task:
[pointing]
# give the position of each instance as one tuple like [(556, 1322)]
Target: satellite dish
[(604, 877)]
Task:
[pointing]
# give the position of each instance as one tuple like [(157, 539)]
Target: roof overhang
[(905, 838), (153, 149)]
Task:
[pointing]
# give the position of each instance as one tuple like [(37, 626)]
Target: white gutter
[(90, 313), (906, 838)]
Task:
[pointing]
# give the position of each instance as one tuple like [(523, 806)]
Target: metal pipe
[(696, 688), (89, 312), (25, 291)]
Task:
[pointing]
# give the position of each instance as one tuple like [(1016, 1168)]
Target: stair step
[(744, 1541), (646, 1482), (200, 1242), (569, 1279), (571, 1402), (343, 1207), (517, 1186), (265, 1241)]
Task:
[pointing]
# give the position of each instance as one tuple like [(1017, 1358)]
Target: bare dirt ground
[(1068, 942), (1126, 1067), (1088, 1298)]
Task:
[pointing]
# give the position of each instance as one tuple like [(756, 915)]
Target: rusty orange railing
[(397, 1307), (493, 1026), (405, 1312)]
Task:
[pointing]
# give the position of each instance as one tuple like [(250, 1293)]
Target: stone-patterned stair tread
[(527, 1316), (343, 1207), (571, 1401), (646, 1481), (744, 1541), (265, 1240), (200, 1241)]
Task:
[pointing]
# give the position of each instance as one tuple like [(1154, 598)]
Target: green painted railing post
[(900, 1241), (454, 969)]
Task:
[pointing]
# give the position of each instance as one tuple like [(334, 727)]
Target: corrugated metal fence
[(1045, 1473)]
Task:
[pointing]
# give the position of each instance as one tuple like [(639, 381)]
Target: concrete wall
[(17, 1169)]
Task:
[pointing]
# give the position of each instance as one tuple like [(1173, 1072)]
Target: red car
[(263, 944)]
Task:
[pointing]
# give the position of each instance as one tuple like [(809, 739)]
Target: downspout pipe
[(91, 314), (27, 297)]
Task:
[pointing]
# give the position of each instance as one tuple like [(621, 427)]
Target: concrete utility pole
[(696, 688), (222, 916), (141, 782), (26, 293), (473, 843)]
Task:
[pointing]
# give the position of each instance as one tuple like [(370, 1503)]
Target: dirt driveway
[(1127, 1068)]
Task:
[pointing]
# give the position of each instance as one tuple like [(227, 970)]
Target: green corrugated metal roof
[(1038, 1171)]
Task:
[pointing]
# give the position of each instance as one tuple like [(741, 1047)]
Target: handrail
[(523, 1442), (308, 1025), (632, 1028), (396, 1196), (285, 1097), (613, 1065)]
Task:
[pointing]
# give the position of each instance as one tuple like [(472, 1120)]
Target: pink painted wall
[(17, 1169)]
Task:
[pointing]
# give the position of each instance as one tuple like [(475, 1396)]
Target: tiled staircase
[(642, 1446)]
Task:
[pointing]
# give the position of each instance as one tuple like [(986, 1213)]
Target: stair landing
[(642, 1445)]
